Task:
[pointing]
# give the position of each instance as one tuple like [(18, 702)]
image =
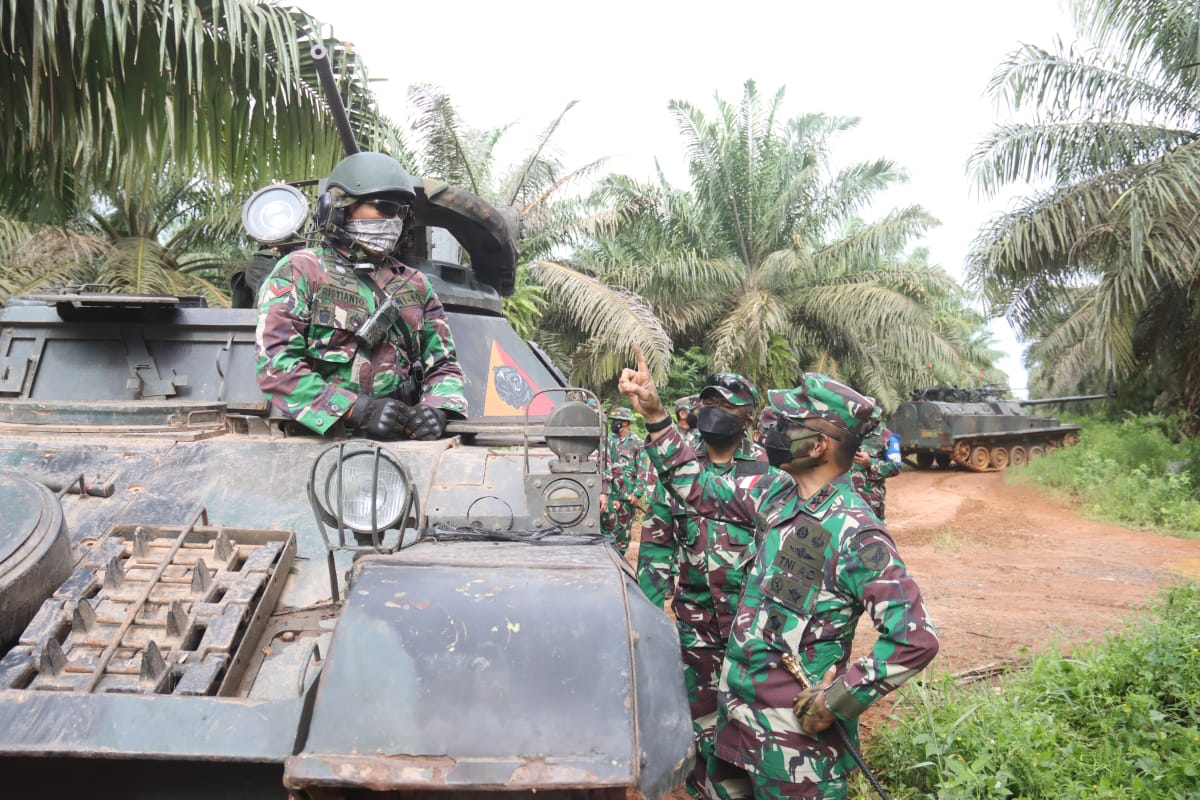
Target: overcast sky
[(914, 72)]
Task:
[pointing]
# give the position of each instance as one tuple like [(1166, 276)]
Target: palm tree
[(146, 117), (108, 91), (590, 325), (1099, 268), (765, 261)]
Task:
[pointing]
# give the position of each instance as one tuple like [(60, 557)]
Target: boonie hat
[(733, 387), (821, 397), (621, 413)]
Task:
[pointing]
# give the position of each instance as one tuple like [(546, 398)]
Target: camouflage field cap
[(685, 404), (734, 388), (621, 414), (821, 397), (876, 421)]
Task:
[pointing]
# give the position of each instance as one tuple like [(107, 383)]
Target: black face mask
[(718, 427), (778, 447), (615, 426), (692, 420), (782, 449)]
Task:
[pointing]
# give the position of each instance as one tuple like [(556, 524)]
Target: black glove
[(425, 423), (376, 416)]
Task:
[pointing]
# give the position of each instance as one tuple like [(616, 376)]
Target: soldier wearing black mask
[(695, 561), (726, 412), (685, 414)]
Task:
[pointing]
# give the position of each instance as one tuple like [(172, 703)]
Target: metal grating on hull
[(155, 610)]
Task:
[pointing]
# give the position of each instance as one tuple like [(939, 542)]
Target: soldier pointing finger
[(822, 561)]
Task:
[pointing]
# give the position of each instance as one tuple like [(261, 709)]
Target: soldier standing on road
[(705, 551), (622, 485), (822, 562), (873, 464), (318, 360)]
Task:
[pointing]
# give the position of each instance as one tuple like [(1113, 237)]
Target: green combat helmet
[(370, 174), (355, 178), (733, 387), (821, 397)]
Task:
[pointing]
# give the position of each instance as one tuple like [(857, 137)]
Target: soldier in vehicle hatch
[(346, 332), (704, 549), (790, 696)]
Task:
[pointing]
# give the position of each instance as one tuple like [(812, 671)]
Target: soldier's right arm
[(281, 341), (656, 566), (750, 500)]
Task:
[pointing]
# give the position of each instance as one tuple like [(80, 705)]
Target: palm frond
[(608, 315), (224, 89)]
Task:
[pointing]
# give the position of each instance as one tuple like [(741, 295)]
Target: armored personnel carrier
[(977, 429), (200, 600)]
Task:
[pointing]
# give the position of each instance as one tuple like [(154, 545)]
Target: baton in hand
[(792, 665)]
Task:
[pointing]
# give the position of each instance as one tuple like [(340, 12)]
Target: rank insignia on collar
[(816, 504)]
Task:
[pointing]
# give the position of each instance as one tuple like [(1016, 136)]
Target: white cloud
[(915, 73)]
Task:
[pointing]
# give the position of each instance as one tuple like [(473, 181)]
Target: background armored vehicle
[(198, 600), (978, 429)]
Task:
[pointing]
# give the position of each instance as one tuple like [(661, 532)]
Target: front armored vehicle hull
[(206, 634)]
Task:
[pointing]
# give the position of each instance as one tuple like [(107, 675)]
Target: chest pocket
[(792, 581), (337, 314), (409, 329)]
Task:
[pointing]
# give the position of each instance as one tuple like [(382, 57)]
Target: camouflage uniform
[(706, 554), (621, 483), (685, 405), (821, 563), (868, 480), (311, 364)]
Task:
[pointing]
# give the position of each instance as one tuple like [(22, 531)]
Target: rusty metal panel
[(514, 658), (147, 726)]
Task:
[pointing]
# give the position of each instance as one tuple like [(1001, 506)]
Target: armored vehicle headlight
[(275, 214), (363, 485)]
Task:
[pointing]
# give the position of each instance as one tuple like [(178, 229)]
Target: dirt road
[(1004, 569)]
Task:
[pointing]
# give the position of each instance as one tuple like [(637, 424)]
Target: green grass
[(1138, 472), (1117, 720), (946, 540)]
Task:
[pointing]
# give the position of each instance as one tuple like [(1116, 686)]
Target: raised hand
[(638, 386)]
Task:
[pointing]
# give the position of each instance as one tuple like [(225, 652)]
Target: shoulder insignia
[(875, 556)]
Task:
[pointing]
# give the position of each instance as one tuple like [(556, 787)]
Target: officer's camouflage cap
[(621, 413), (821, 397), (686, 403), (733, 387)]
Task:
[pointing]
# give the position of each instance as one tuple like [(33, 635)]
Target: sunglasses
[(387, 208), (784, 424), (725, 381)]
